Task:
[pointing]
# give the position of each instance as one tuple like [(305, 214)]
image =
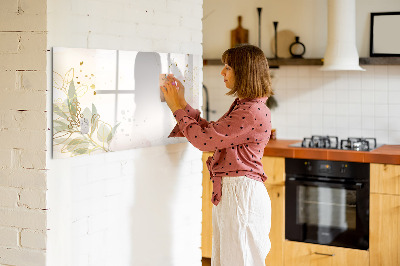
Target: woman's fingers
[(171, 88), (174, 81), (170, 93), (163, 89), (181, 91), (171, 96), (179, 83), (174, 96)]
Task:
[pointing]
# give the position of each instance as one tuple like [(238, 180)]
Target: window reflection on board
[(110, 100)]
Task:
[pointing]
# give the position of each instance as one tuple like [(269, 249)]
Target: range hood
[(341, 51)]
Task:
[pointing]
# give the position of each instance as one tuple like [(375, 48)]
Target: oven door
[(327, 213)]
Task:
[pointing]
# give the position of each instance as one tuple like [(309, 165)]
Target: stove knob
[(308, 166), (343, 168)]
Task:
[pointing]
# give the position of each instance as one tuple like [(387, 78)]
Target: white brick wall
[(8, 197), (33, 239), (9, 237), (136, 207), (23, 132)]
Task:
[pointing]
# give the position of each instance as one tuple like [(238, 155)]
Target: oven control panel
[(338, 169), (325, 167)]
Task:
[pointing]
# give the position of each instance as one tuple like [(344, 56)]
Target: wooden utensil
[(239, 35)]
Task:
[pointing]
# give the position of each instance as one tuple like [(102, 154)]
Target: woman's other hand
[(171, 96)]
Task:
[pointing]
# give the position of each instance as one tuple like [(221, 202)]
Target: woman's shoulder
[(257, 104), (260, 111)]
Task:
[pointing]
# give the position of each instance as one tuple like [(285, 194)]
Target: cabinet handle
[(325, 254)]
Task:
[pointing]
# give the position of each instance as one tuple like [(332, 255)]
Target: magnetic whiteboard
[(110, 100)]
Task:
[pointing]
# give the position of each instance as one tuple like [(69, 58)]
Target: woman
[(241, 213)]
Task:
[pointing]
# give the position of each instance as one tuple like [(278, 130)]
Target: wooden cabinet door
[(274, 168), (385, 178), (277, 233), (305, 254), (206, 232), (384, 236)]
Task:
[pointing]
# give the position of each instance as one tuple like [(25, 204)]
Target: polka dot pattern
[(238, 139)]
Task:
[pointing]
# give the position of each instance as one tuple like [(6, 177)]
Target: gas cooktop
[(332, 142)]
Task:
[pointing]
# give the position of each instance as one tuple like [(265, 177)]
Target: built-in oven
[(327, 202)]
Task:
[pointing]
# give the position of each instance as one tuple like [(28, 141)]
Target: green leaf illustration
[(59, 126), (81, 151), (57, 81), (57, 109), (87, 114), (103, 132), (81, 90), (94, 121), (113, 130), (77, 144), (58, 141), (71, 98), (68, 77), (70, 113), (94, 109)]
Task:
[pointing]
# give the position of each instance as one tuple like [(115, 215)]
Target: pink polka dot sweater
[(238, 139)]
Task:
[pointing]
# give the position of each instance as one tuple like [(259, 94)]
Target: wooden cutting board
[(239, 35)]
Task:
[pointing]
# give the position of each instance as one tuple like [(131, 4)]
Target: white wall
[(136, 207), (311, 102), (305, 18), (23, 133), (343, 104)]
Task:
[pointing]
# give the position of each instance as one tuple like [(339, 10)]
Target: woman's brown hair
[(250, 66)]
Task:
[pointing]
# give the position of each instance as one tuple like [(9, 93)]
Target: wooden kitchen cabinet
[(306, 254), (385, 178), (277, 233), (206, 225), (274, 168), (384, 236)]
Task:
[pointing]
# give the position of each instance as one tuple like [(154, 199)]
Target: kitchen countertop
[(389, 154)]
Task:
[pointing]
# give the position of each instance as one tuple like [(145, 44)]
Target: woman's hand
[(181, 91), (171, 96)]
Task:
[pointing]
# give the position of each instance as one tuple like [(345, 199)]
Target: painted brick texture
[(33, 239), (9, 237), (23, 132), (118, 208)]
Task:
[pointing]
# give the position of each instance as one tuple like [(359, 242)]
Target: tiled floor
[(206, 261)]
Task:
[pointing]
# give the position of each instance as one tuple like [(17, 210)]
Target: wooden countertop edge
[(386, 154)]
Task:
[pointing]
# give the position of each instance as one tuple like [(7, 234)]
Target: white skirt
[(241, 223)]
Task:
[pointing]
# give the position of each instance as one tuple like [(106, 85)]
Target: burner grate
[(332, 142), (327, 142), (358, 144)]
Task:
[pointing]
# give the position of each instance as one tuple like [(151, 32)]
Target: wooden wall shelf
[(295, 62), (273, 63), (380, 61)]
